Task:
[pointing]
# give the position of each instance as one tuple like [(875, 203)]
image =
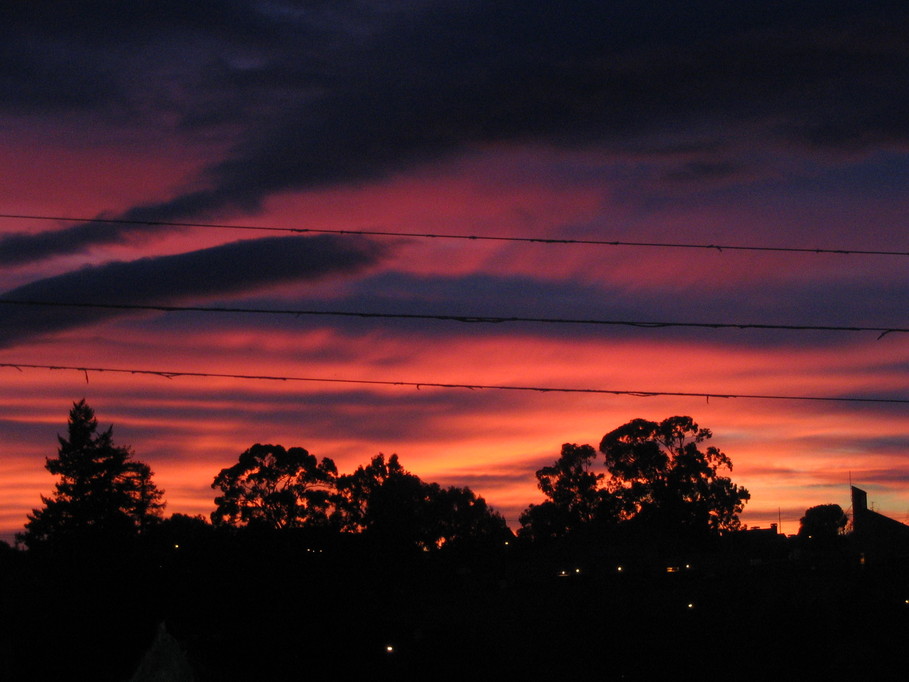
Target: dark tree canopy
[(571, 485), (275, 487), (395, 507), (101, 490), (658, 480), (823, 523), (663, 480), (362, 495), (575, 496), (464, 518)]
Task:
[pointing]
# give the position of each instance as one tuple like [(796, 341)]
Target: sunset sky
[(749, 124)]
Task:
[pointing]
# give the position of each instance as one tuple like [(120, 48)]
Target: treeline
[(658, 482), (302, 571), (104, 495)]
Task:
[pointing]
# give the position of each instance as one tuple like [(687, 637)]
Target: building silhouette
[(876, 536)]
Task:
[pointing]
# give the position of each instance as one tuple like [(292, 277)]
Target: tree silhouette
[(102, 490), (823, 523), (658, 481), (275, 487), (146, 498), (663, 481), (399, 512), (464, 518), (396, 508), (575, 495), (361, 495)]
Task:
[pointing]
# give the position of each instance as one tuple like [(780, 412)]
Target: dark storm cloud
[(701, 171), (47, 81), (585, 74), (230, 268), (862, 302), (332, 93), (866, 304), (26, 248), (88, 55)]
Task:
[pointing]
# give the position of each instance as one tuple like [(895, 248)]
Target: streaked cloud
[(237, 267)]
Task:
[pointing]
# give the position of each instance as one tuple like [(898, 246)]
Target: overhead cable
[(477, 237), (167, 374), (472, 319)]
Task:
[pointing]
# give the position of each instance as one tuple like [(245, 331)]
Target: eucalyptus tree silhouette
[(396, 508), (661, 479), (276, 488), (576, 497), (365, 497), (102, 491), (658, 481)]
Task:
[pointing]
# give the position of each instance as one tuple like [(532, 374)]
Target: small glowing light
[(619, 569), (176, 546), (687, 565), (690, 606), (390, 649), (577, 570)]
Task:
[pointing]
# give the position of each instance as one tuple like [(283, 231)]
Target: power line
[(426, 384), (472, 319), (493, 238)]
